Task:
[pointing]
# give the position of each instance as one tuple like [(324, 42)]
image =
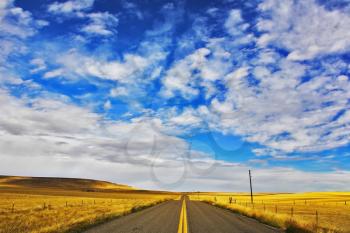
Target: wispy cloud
[(69, 7), (103, 24), (98, 23)]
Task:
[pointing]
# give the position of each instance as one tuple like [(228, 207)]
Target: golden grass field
[(66, 205), (293, 210), (71, 205)]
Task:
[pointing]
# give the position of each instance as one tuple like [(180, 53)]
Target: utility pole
[(251, 188)]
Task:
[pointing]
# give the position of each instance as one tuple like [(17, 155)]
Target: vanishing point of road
[(183, 216)]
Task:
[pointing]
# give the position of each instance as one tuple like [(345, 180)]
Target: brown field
[(284, 210), (66, 205)]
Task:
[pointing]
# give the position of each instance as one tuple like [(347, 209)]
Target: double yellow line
[(183, 227)]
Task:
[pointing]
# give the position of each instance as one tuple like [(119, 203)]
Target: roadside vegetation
[(326, 212), (53, 209)]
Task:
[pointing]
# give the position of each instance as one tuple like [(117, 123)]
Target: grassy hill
[(42, 204), (73, 184)]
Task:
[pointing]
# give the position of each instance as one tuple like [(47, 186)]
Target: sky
[(178, 95)]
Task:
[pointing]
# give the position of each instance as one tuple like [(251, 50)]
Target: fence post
[(44, 206), (66, 203), (13, 207)]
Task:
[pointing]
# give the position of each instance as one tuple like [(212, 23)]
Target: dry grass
[(23, 182), (295, 212), (25, 209)]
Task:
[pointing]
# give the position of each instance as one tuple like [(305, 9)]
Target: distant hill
[(72, 184)]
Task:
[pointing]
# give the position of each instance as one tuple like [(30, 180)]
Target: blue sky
[(180, 95)]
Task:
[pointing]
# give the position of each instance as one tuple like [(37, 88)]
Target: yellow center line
[(183, 227)]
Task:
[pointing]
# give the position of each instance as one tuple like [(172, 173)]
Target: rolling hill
[(73, 184)]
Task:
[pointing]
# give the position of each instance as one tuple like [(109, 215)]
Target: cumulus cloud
[(200, 69), (234, 24), (59, 128), (264, 180), (79, 143), (305, 28), (16, 25), (282, 111), (271, 99), (180, 77), (236, 81), (187, 118)]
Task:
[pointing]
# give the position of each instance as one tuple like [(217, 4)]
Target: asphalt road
[(162, 218), (205, 218), (201, 218)]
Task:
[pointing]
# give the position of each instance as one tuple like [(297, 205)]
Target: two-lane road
[(201, 218), (162, 218), (205, 218)]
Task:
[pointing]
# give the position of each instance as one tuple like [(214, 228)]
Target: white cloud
[(305, 28), (282, 112), (70, 6), (74, 63), (180, 76), (38, 65), (132, 9), (268, 98), (99, 23), (107, 105), (118, 91), (54, 73), (264, 180), (234, 24), (42, 23), (71, 141), (103, 24), (16, 22), (5, 3), (201, 68), (16, 25), (131, 72), (237, 28), (186, 118), (57, 128)]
